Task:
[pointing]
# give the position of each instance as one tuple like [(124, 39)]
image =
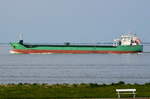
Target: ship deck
[(65, 45)]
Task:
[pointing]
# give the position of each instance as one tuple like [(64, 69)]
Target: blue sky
[(59, 21)]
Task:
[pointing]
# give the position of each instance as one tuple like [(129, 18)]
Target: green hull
[(26, 49)]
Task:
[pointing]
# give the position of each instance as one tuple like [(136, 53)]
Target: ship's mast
[(20, 38)]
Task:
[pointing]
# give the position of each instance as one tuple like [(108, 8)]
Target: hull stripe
[(22, 51)]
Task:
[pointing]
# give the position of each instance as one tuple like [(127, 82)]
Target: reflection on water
[(74, 68)]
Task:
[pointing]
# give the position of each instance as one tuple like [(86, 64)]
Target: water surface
[(73, 68)]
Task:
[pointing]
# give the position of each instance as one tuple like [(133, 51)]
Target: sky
[(80, 21)]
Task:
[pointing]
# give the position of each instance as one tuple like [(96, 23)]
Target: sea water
[(74, 68)]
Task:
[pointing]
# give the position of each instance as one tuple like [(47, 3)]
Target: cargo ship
[(126, 43)]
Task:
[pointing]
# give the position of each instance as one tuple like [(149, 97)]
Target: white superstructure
[(128, 39)]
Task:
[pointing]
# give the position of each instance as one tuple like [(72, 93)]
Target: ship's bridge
[(128, 39)]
